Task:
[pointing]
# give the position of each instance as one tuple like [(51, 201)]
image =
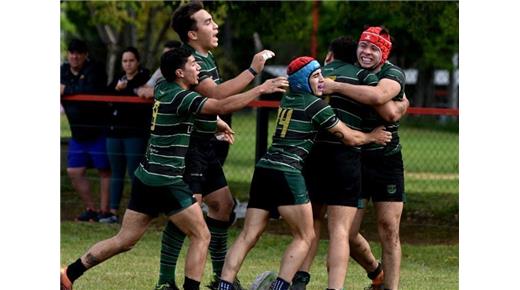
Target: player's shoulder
[(391, 68)]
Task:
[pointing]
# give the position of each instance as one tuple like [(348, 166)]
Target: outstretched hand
[(260, 58), (276, 85)]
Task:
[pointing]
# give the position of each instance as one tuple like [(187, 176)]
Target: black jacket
[(87, 119), (129, 119)]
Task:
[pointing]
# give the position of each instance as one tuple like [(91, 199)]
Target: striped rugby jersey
[(173, 117), (205, 125), (300, 115), (348, 110), (390, 71)]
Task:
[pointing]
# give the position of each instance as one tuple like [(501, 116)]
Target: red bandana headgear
[(372, 35)]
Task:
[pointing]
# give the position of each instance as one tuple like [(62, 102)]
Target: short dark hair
[(173, 60), (171, 44), (132, 50), (182, 22), (77, 45), (344, 48)]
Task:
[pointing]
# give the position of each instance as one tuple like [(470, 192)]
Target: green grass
[(429, 227), (424, 266)]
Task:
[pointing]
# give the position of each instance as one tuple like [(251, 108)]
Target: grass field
[(429, 227), (424, 266)]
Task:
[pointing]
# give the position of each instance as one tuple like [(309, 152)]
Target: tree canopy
[(425, 33)]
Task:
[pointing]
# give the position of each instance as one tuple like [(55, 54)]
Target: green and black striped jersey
[(300, 115), (373, 120), (205, 125), (348, 110), (172, 122)]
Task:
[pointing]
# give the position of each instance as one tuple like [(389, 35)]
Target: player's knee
[(307, 237), (339, 234), (389, 231), (201, 235), (388, 226)]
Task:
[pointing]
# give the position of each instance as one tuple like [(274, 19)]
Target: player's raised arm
[(238, 101), (210, 89)]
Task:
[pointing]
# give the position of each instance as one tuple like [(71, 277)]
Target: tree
[(109, 27), (425, 34)]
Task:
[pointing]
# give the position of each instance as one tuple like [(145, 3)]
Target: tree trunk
[(227, 41), (153, 62), (148, 51), (424, 91)]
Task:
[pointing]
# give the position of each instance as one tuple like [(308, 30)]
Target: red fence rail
[(253, 104)]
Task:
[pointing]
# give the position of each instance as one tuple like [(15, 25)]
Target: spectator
[(129, 128), (87, 146), (146, 90)]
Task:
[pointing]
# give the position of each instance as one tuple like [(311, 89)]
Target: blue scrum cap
[(299, 70)]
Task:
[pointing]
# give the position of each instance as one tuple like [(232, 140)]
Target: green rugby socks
[(171, 244), (218, 243)]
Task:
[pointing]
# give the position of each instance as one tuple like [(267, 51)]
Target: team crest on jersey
[(391, 189)]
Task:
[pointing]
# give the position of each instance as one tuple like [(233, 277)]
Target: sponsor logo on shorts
[(391, 188)]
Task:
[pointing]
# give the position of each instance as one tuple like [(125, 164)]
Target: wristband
[(252, 71)]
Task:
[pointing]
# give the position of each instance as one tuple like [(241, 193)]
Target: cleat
[(213, 285), (300, 281), (264, 281), (88, 216), (108, 218), (377, 282), (237, 285), (65, 283)]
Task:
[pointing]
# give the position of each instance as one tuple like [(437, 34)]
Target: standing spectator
[(383, 171), (87, 146), (129, 128), (204, 174), (146, 90)]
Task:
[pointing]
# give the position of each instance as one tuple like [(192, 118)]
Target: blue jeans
[(124, 155)]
